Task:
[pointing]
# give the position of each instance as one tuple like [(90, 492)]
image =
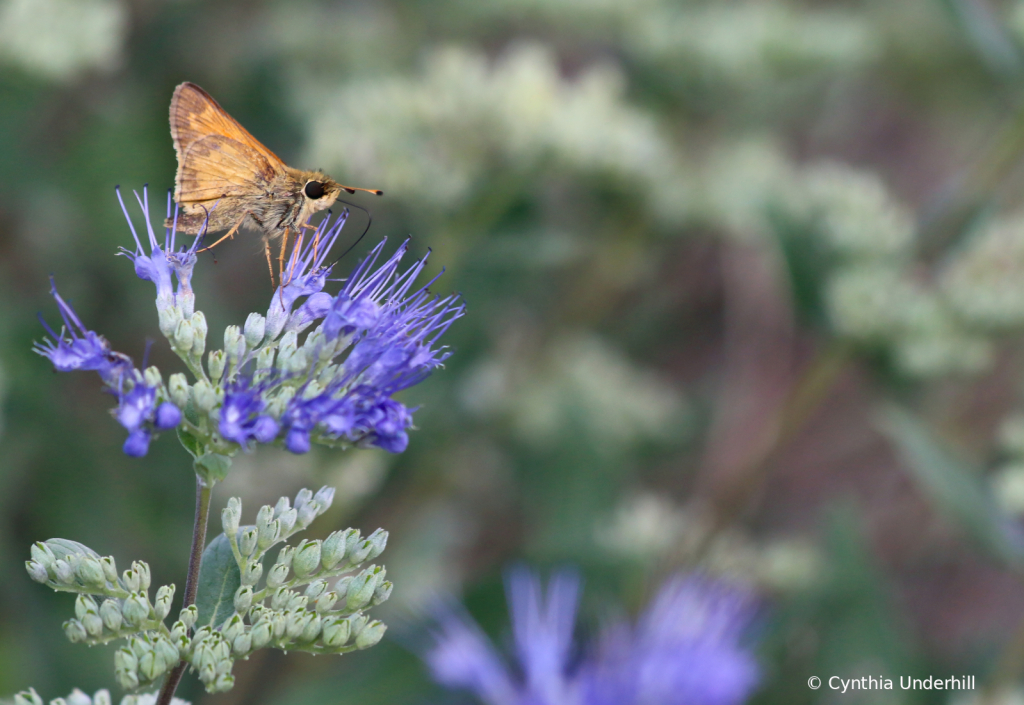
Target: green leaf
[(190, 442), (212, 467), (219, 578), (953, 487)]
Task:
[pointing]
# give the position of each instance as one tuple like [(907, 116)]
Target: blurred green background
[(746, 294)]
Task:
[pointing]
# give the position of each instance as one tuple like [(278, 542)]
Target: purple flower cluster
[(375, 337), (77, 348), (685, 649), (385, 340)]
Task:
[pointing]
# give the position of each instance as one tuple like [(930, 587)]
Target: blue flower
[(138, 406), (685, 649)]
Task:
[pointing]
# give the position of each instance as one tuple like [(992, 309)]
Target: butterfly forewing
[(217, 157)]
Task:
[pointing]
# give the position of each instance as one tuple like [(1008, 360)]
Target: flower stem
[(191, 580)]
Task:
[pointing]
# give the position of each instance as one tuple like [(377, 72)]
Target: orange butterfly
[(228, 178)]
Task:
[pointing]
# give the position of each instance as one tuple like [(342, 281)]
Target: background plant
[(714, 250)]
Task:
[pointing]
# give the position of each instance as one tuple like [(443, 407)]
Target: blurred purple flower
[(77, 348), (685, 649)]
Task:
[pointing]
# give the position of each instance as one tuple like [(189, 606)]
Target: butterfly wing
[(217, 157)]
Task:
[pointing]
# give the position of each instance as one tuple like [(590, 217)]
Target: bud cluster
[(321, 618), (77, 697)]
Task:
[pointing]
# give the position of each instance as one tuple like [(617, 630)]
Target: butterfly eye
[(314, 189)]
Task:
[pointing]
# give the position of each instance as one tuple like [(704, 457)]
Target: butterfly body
[(227, 179)]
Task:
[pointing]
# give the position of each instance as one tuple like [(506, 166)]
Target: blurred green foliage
[(701, 242)]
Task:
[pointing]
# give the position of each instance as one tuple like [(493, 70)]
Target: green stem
[(191, 580)]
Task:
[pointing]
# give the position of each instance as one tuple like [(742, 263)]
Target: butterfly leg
[(270, 264), (280, 262), (231, 233)]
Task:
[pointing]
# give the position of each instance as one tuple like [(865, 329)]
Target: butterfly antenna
[(353, 189), (369, 222)]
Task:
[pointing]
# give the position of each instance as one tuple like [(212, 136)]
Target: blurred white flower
[(581, 379), (438, 136), (984, 282), (60, 39), (643, 527)]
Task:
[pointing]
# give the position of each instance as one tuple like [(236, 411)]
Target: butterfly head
[(319, 191)]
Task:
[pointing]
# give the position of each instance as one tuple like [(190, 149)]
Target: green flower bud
[(326, 601), (233, 628), (184, 336), (371, 634), (129, 680), (151, 666), (279, 600), (178, 630), (333, 550), (264, 362), (277, 576), (42, 555), (296, 601), (262, 632), (60, 701), (153, 377), (307, 558), (382, 593), (325, 498), (336, 632), (378, 542), (139, 646), (295, 624), (287, 520), (77, 697), (307, 513), (280, 625), (310, 628), (255, 329), (63, 574), (188, 616), (361, 552), (247, 541), (357, 622), (243, 599), (283, 505), (125, 660), (168, 319), (203, 396), (142, 568), (287, 347), (167, 651), (177, 386), (85, 605), (162, 604), (93, 624), (109, 569), (215, 363), (136, 609), (199, 333), (37, 571), (101, 697), (341, 587), (234, 344), (230, 516), (224, 683), (242, 644), (353, 539), (28, 697), (131, 580), (207, 675), (285, 556), (360, 590), (252, 573), (75, 631), (315, 589), (303, 496), (110, 613)]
